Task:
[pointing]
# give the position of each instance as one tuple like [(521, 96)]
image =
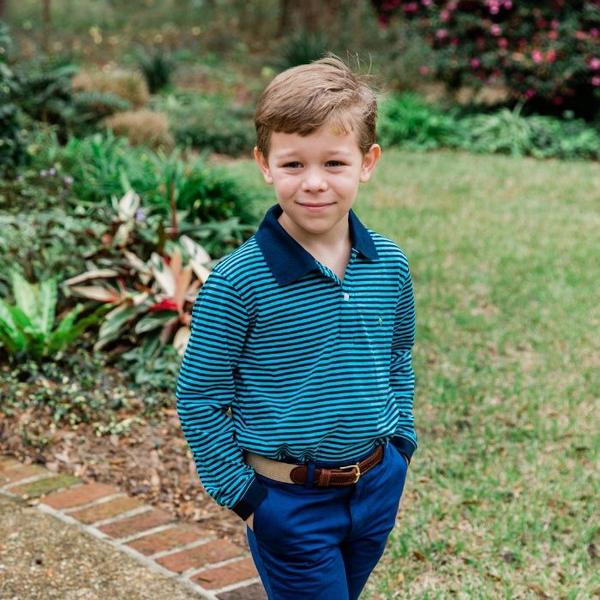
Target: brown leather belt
[(324, 477)]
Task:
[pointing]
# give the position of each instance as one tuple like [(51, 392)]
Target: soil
[(151, 462)]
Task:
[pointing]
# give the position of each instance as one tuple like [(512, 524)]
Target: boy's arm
[(206, 388), (402, 376)]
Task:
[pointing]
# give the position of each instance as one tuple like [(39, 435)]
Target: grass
[(501, 496)]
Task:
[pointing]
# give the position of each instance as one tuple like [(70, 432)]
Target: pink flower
[(537, 56), (557, 100), (445, 15), (596, 80), (441, 34), (594, 32), (503, 43), (595, 63), (495, 29), (530, 93), (475, 62), (424, 69), (554, 23), (551, 55), (581, 35), (426, 2), (553, 35), (411, 7)]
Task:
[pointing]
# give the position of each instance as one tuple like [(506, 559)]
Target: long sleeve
[(206, 389), (402, 376)]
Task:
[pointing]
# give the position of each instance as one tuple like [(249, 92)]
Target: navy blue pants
[(323, 543)]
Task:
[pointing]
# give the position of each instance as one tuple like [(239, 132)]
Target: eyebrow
[(289, 153)]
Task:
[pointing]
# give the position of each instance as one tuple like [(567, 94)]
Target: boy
[(306, 331)]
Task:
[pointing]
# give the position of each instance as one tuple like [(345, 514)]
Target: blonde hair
[(303, 98)]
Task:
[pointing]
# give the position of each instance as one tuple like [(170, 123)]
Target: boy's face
[(316, 179)]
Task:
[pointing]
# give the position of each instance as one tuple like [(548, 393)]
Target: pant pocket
[(257, 521), (399, 455)]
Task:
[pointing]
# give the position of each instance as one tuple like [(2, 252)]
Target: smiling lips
[(316, 206)]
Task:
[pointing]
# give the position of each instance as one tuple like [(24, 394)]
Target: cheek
[(285, 186)]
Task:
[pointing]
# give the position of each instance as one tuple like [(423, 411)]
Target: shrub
[(12, 138), (142, 127), (209, 123), (178, 194), (43, 90), (301, 48), (508, 132), (128, 85), (158, 68), (545, 52), (408, 120), (45, 243)]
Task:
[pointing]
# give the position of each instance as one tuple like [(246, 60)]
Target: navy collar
[(288, 260)]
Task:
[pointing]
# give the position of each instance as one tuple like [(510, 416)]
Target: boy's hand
[(250, 521)]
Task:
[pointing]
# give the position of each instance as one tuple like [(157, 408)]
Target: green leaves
[(407, 120), (27, 327)]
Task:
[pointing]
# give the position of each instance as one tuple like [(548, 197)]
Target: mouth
[(315, 205)]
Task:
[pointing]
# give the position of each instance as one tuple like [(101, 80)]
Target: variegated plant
[(159, 297)]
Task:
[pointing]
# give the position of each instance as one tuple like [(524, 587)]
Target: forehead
[(328, 139)]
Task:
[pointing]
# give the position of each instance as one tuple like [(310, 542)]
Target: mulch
[(152, 461)]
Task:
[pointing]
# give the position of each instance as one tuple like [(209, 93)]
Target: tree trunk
[(46, 17), (286, 8)]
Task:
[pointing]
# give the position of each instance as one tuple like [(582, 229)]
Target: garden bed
[(149, 460)]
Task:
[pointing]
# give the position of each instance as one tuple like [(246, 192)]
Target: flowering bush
[(547, 53)]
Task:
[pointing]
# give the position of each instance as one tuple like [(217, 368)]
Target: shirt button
[(346, 296)]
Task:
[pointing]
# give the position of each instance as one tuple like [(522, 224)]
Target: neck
[(335, 239)]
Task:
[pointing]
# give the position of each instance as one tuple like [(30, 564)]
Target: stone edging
[(212, 568)]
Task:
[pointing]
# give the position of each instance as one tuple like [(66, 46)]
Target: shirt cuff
[(254, 495), (405, 446)]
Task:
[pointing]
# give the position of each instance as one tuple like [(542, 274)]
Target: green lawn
[(501, 497)]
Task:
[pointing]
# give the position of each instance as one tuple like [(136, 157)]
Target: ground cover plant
[(408, 120)]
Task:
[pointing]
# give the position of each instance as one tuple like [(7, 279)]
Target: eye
[(292, 165), (335, 163)]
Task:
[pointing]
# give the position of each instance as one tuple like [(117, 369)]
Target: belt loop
[(310, 475)]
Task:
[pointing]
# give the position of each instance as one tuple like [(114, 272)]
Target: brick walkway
[(209, 567)]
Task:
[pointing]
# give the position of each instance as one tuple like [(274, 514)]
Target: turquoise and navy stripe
[(311, 367)]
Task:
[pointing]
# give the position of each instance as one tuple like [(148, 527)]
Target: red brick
[(166, 540), (199, 556), (254, 591), (137, 523), (80, 495), (112, 508), (226, 575), (21, 472)]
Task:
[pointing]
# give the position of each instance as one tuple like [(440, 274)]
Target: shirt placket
[(345, 286)]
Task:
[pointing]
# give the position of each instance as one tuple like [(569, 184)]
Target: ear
[(263, 165), (369, 161)]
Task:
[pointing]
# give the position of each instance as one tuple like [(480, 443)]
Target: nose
[(314, 181)]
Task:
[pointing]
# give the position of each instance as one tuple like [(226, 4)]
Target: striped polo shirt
[(287, 361)]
